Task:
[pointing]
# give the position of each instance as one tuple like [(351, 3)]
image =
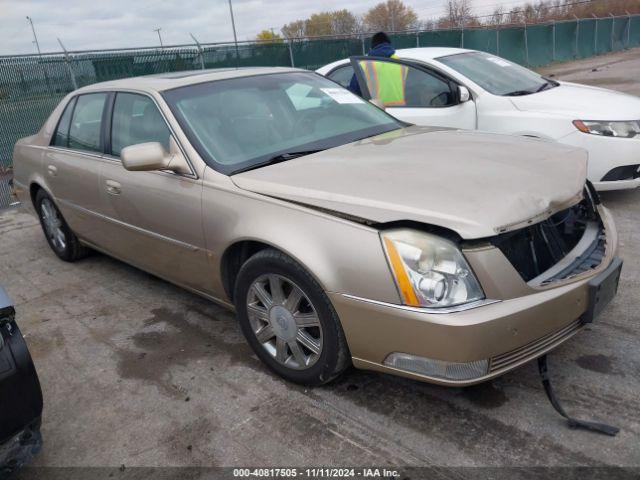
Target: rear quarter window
[(61, 137)]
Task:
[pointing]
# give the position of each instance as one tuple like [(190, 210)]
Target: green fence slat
[(441, 38), (511, 44), (483, 39), (619, 33), (604, 35), (634, 33), (566, 40), (587, 32), (540, 44)]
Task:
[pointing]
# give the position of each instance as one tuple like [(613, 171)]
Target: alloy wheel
[(53, 224), (284, 321)]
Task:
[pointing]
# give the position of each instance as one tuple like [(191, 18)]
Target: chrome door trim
[(74, 152)]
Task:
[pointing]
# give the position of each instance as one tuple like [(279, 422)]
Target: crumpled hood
[(476, 184), (581, 102)]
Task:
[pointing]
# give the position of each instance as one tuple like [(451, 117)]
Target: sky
[(102, 24)]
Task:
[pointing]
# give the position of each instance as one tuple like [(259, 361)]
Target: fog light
[(438, 368)]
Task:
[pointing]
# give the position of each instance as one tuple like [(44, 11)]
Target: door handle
[(113, 187), (53, 170)]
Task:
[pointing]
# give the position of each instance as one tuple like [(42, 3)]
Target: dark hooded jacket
[(381, 50)]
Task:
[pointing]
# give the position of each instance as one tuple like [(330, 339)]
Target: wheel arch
[(236, 254)]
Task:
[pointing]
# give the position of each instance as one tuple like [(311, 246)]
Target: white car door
[(429, 97)]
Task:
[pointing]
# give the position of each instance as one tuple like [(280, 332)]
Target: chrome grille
[(535, 348)]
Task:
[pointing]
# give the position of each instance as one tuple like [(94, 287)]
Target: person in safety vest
[(386, 81)]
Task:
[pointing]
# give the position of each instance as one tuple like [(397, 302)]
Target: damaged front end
[(567, 244), (20, 395)]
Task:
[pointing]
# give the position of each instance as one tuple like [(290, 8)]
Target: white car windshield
[(247, 122), (497, 75)]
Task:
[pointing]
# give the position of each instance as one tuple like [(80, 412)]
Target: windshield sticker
[(499, 61), (341, 95)]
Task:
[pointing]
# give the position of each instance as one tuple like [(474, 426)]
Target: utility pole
[(35, 38), (235, 37), (157, 30)]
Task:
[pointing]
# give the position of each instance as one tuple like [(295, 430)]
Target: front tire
[(61, 239), (288, 320)]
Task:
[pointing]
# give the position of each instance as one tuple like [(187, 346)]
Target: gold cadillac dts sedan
[(339, 235)]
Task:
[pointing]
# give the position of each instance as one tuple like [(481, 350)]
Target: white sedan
[(468, 89)]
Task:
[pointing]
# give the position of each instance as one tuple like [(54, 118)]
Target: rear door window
[(86, 124)]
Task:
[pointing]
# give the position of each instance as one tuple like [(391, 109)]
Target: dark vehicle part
[(20, 395), (568, 243), (572, 422), (626, 172), (61, 239)]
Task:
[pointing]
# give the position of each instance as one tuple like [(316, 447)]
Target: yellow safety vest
[(386, 81)]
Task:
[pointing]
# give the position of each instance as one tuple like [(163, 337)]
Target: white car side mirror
[(463, 94)]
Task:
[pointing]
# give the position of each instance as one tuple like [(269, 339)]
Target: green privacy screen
[(32, 85)]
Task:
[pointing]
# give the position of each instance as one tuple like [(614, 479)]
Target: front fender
[(343, 256)]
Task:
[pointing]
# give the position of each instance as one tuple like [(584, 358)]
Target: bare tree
[(497, 17), (344, 22), (459, 13)]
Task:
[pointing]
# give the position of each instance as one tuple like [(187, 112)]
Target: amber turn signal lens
[(402, 279), (579, 124)]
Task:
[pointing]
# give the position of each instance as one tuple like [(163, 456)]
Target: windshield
[(496, 75), (240, 123)]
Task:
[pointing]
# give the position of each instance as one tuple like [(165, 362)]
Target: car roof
[(429, 53), (165, 81), (420, 54)]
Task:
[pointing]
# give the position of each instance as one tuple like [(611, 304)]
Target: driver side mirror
[(152, 156), (463, 94)]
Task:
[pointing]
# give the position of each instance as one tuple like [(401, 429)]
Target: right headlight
[(429, 270), (623, 129)]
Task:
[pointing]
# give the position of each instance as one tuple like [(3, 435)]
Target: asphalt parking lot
[(137, 372)]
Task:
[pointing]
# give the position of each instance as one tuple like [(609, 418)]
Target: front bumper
[(605, 154), (507, 333), (522, 323)]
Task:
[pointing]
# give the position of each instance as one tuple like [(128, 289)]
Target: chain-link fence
[(32, 85)]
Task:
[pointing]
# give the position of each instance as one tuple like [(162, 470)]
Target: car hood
[(581, 102), (473, 183)]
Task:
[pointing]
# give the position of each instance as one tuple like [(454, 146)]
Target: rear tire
[(288, 320), (60, 238)]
